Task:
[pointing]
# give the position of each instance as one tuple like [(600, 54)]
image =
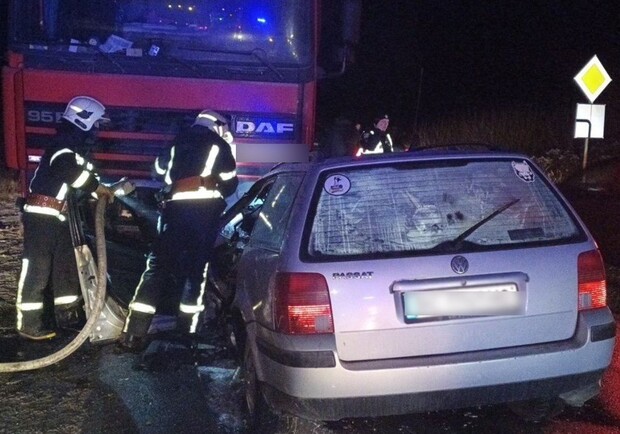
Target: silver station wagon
[(410, 282)]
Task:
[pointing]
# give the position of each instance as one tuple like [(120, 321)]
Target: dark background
[(474, 53), (423, 60)]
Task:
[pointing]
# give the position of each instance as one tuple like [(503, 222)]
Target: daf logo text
[(249, 127)]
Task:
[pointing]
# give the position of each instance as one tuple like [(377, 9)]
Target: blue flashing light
[(261, 20)]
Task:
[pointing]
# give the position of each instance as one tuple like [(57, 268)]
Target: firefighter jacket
[(60, 169), (200, 166), (48, 261), (375, 141), (200, 172)]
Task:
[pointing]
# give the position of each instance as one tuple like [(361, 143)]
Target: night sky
[(474, 53)]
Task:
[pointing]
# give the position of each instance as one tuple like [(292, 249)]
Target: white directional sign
[(590, 121), (593, 79)]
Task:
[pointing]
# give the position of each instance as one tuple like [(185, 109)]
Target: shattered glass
[(411, 208)]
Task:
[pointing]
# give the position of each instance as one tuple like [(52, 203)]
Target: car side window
[(272, 221)]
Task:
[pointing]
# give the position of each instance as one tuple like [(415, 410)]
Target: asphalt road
[(96, 390)]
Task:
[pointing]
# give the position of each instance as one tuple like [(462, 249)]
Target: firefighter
[(377, 140), (48, 261), (199, 175)]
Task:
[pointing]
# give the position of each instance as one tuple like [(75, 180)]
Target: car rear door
[(444, 256)]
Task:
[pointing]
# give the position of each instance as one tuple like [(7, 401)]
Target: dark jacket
[(372, 138), (62, 166), (199, 152)]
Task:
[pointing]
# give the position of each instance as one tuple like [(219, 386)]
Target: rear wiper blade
[(455, 243)]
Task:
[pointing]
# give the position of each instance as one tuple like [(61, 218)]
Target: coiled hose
[(98, 304)]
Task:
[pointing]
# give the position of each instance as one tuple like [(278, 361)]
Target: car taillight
[(302, 304), (591, 278)]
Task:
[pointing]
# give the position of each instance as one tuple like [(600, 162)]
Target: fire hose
[(98, 303)]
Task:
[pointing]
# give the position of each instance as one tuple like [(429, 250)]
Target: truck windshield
[(269, 32)]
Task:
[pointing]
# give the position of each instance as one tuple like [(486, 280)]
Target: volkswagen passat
[(410, 282)]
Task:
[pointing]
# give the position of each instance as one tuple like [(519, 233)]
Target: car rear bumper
[(331, 409), (316, 386)]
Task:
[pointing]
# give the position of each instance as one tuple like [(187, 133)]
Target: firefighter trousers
[(177, 264), (48, 264)]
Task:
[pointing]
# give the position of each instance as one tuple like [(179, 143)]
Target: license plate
[(486, 300)]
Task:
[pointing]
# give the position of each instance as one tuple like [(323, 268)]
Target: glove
[(163, 194)]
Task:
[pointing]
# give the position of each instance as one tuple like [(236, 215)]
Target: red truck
[(155, 64)]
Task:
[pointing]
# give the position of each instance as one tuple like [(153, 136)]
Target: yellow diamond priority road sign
[(593, 79)]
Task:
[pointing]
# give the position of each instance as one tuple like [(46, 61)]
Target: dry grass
[(540, 132), (531, 130), (8, 185), (559, 165)]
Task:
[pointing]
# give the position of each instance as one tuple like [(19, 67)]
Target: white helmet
[(84, 111), (215, 122)]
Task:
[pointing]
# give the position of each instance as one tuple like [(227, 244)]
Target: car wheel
[(261, 417), (537, 410)]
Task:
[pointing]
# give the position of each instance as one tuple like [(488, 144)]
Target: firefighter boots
[(131, 343), (72, 318)]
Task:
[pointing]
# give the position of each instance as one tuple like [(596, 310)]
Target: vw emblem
[(459, 265)]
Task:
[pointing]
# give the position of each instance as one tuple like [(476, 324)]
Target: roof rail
[(465, 146)]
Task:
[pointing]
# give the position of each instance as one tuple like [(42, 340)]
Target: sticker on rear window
[(523, 171), (337, 185)]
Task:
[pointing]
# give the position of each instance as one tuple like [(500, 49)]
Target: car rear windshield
[(442, 206)]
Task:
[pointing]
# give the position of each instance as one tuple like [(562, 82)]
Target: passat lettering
[(353, 275)]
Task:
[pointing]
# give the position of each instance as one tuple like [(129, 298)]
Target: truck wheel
[(260, 416)]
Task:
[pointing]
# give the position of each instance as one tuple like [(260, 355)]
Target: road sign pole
[(587, 140), (585, 159)]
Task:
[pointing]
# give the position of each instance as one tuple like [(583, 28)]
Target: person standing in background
[(377, 140)]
